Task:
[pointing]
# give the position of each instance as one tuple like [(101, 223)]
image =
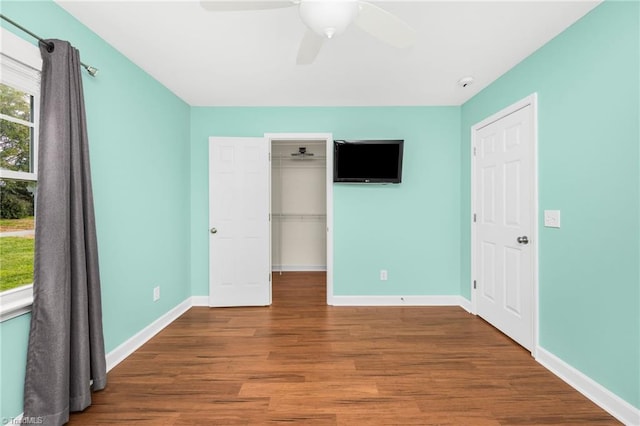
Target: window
[(20, 66)]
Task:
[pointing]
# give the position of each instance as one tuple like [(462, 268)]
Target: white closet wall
[(298, 207)]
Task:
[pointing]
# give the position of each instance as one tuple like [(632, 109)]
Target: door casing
[(328, 138)]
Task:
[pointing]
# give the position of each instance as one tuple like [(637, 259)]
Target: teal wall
[(139, 145), (587, 80), (408, 229), (14, 335)]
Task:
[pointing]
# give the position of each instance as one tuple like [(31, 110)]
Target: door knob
[(213, 230), (523, 240)]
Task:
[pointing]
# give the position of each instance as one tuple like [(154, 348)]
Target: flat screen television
[(367, 161)]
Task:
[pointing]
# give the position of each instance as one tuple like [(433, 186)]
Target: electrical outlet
[(383, 275), (156, 294)]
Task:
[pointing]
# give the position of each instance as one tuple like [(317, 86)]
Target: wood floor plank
[(302, 362)]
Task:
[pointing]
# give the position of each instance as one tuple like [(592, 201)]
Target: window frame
[(21, 66)]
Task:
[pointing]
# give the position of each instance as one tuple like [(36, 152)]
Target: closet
[(298, 206)]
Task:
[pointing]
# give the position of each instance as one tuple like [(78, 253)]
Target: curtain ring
[(49, 44)]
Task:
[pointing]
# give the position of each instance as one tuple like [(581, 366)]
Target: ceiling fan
[(327, 18)]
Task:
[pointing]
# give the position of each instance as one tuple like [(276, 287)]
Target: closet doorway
[(302, 204)]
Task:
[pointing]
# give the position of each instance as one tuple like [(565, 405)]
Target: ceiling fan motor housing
[(328, 17)]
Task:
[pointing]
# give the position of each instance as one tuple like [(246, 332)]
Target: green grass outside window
[(16, 254), (16, 267)]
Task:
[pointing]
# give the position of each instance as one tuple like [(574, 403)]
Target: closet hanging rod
[(91, 70)]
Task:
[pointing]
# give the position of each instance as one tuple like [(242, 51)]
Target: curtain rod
[(91, 70)]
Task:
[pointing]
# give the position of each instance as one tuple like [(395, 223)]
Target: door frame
[(328, 138), (531, 100)]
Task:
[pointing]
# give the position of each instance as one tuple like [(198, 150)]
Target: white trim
[(533, 101), (200, 301), (536, 233), (21, 65), (20, 75), (20, 49), (16, 120), (12, 174), (328, 138), (465, 304), (607, 400), (15, 302), (329, 186), (119, 354), (399, 300), (298, 268)]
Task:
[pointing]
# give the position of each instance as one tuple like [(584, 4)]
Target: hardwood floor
[(302, 362)]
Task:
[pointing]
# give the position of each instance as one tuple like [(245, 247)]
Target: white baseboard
[(465, 304), (199, 300), (398, 301), (607, 400), (120, 353)]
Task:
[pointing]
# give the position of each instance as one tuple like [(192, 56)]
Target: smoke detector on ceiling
[(465, 81)]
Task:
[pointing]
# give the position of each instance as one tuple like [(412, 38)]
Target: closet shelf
[(289, 159), (299, 159), (298, 216)]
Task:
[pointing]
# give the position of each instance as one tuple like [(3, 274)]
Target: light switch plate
[(552, 218)]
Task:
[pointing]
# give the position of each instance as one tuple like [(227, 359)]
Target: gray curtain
[(65, 357)]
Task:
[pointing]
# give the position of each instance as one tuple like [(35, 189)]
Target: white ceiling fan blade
[(234, 5), (309, 48), (385, 26)]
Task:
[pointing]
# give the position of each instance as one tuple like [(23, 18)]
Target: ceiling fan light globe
[(328, 17)]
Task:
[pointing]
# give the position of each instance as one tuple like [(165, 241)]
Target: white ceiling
[(249, 58)]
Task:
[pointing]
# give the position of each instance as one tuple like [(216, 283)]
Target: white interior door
[(239, 241), (504, 230)]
